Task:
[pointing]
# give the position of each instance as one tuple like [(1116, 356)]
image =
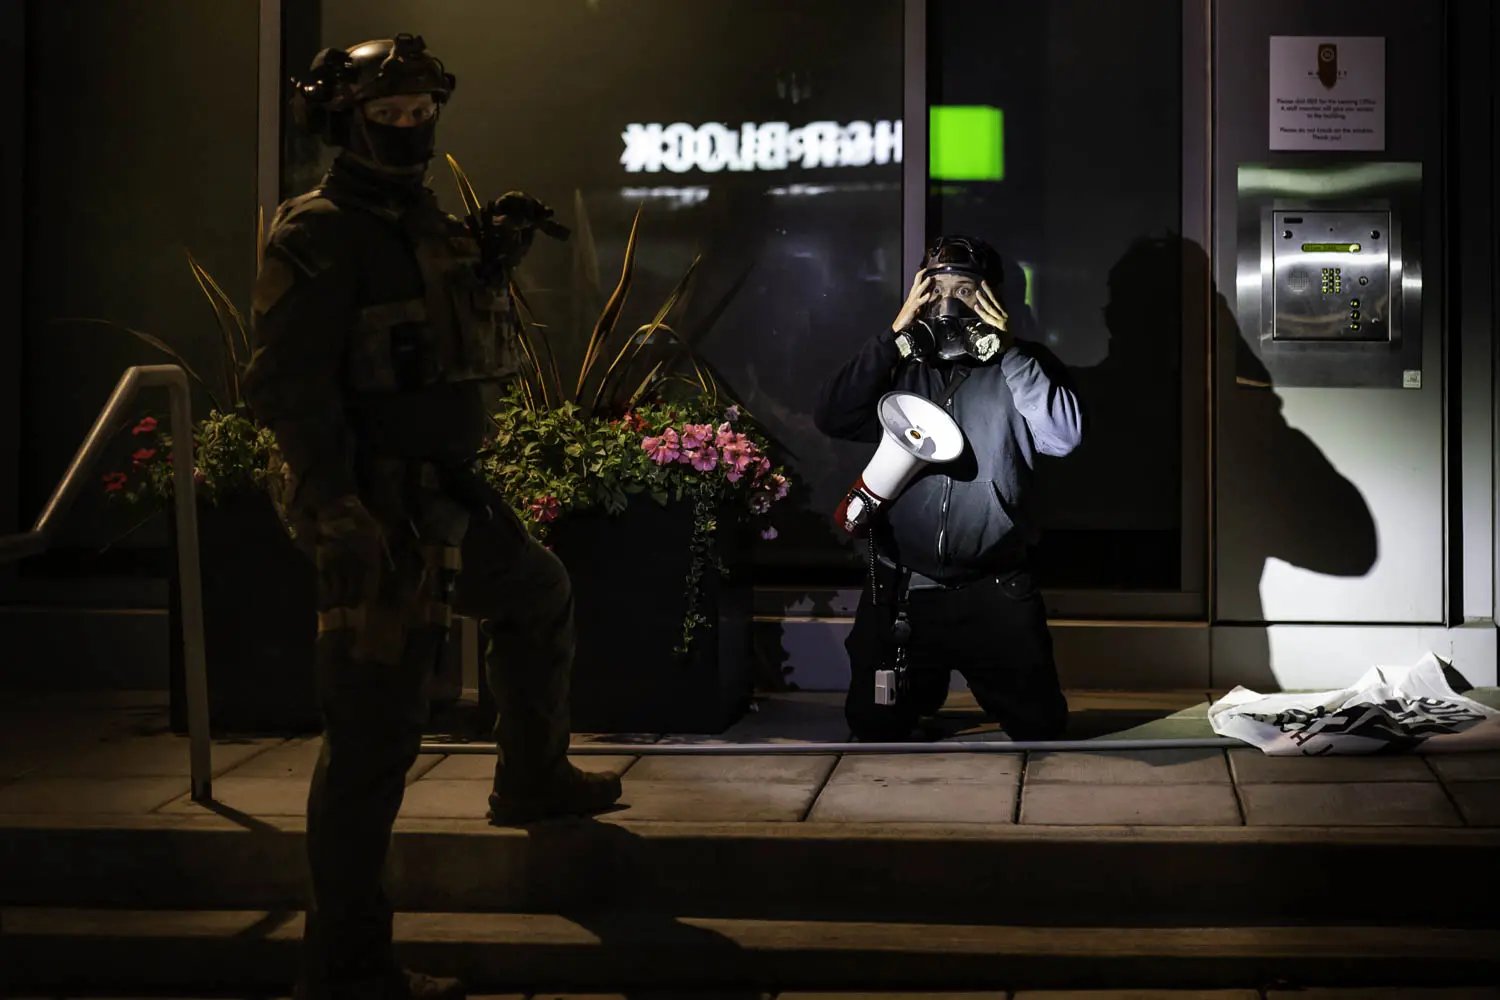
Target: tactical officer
[(377, 319), (951, 584)]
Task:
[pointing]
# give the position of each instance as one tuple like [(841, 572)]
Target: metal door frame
[(1192, 603), (268, 138)]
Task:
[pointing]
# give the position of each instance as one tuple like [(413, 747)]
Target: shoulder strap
[(952, 387)]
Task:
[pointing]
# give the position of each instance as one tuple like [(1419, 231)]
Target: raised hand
[(922, 292)]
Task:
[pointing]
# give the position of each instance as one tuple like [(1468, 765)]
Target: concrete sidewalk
[(1185, 868), (117, 758)]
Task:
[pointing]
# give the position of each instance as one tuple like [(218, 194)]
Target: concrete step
[(75, 950), (966, 873)]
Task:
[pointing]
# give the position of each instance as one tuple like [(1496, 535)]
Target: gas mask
[(948, 330), (402, 149)]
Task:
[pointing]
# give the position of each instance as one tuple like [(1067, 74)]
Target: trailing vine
[(703, 557)]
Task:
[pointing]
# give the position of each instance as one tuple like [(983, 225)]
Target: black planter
[(629, 575), (259, 622)]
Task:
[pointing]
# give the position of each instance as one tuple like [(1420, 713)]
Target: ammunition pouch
[(281, 487), (463, 328), (425, 533)]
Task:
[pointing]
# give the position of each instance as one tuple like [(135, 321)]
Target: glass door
[(1072, 136)]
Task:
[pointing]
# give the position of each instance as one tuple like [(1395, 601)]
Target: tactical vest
[(460, 330)]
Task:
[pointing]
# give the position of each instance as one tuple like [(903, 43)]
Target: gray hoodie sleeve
[(1045, 397)]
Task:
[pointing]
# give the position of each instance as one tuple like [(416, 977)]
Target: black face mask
[(394, 148), (955, 327)]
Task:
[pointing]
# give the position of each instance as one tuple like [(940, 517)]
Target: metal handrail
[(35, 541)]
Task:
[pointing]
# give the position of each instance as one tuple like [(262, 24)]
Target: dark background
[(139, 144), (130, 159)]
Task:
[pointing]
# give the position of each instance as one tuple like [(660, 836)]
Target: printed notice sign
[(1327, 93)]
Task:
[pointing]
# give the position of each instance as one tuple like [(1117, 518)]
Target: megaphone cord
[(900, 627)]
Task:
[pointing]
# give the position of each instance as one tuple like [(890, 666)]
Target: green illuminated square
[(966, 143)]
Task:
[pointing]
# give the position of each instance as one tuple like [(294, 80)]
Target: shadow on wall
[(1307, 514)]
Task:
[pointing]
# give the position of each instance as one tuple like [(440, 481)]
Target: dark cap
[(964, 255)]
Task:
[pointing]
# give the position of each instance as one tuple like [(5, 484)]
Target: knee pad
[(554, 587)]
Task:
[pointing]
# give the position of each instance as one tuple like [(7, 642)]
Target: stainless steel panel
[(1364, 540), (1329, 283)]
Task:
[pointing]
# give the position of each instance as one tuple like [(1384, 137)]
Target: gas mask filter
[(949, 329)]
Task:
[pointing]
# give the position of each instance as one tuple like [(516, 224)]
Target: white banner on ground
[(1388, 710)]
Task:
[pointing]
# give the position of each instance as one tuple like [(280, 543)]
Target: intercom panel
[(1328, 276), (1331, 276)]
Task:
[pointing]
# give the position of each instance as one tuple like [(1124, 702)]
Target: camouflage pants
[(375, 713)]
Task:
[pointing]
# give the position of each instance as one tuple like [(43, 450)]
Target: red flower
[(143, 455), (146, 426), (545, 509), (114, 481)]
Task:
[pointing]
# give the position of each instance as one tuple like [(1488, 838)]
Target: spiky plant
[(640, 361), (643, 415), (231, 450)]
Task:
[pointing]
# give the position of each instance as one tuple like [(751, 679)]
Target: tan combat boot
[(571, 793)]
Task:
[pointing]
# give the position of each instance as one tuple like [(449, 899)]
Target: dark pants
[(374, 718), (994, 633)]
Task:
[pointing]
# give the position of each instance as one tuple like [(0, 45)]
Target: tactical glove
[(511, 222)]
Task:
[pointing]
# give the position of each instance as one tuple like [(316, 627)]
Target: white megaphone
[(916, 433)]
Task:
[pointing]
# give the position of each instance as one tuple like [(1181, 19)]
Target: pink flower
[(740, 451), (146, 426), (662, 449), (704, 458), (724, 435), (732, 414), (733, 475), (769, 533), (544, 509), (762, 467), (778, 483), (696, 435)]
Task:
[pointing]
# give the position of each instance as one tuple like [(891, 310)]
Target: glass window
[(765, 137), (1056, 135)]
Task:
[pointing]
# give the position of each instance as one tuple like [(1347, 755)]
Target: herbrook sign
[(713, 147)]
